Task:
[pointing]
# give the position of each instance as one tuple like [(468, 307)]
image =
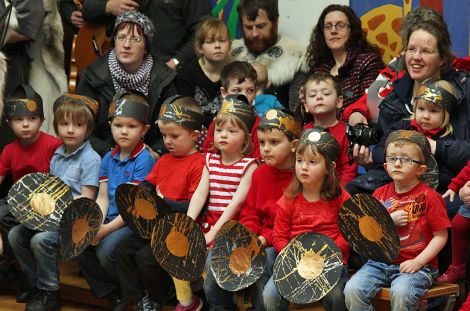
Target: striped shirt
[(223, 183)]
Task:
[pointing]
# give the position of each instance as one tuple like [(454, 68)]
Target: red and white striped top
[(223, 183)]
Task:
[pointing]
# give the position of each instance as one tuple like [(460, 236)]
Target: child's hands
[(154, 155), (410, 266), (449, 193), (210, 236), (159, 193), (400, 218), (102, 233), (263, 240)]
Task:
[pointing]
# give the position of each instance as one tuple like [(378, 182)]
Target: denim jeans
[(333, 301), (220, 299), (97, 263), (37, 253), (405, 288)]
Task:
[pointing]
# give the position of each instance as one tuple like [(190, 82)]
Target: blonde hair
[(330, 189), (210, 28), (75, 112), (223, 118)]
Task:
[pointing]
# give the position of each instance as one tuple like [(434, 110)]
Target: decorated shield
[(367, 227), (140, 208), (238, 257), (307, 268), (38, 201), (179, 246), (79, 225)]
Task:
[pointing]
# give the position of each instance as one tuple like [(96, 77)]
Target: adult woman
[(339, 46), (129, 66)]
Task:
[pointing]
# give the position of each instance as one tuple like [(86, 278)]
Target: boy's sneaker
[(43, 300), (453, 274), (196, 305), (116, 303), (146, 304)]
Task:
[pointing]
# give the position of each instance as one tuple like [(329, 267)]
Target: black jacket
[(96, 82)]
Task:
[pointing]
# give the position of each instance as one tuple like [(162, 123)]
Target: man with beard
[(261, 43)]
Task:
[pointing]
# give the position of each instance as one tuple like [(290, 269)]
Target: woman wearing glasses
[(339, 46), (128, 66)]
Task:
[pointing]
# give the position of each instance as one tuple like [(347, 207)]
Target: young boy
[(322, 99), (77, 164), (175, 177), (30, 152), (237, 78), (130, 161), (278, 134), (264, 102), (420, 216)]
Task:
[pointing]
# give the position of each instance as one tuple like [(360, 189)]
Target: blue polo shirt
[(116, 171), (79, 168)]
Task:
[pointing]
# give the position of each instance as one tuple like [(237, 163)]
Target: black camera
[(363, 135)]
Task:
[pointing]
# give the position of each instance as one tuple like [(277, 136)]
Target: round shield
[(79, 225), (368, 228), (307, 268), (38, 201), (238, 257), (179, 246), (431, 176), (140, 208)]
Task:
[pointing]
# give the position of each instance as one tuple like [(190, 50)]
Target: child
[(77, 164), (278, 134), (237, 78), (311, 203), (30, 152), (323, 99), (226, 177), (175, 177), (130, 161), (420, 216), (264, 102), (201, 78)]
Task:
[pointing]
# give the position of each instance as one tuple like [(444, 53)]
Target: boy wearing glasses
[(421, 220)]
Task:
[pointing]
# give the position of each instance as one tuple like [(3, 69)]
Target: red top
[(345, 172), (260, 208), (426, 214), (208, 145), (461, 179), (177, 177), (19, 160), (299, 216)]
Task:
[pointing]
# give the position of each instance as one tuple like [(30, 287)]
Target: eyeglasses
[(132, 40), (403, 161), (425, 52), (338, 26)]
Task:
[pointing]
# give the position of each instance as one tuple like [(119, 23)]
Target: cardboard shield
[(307, 268), (38, 201), (79, 225), (368, 228), (140, 208), (179, 246), (238, 257)]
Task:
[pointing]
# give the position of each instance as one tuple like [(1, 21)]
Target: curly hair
[(319, 53)]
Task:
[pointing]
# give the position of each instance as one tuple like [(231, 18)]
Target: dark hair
[(238, 70), (433, 23), (250, 8), (319, 53)]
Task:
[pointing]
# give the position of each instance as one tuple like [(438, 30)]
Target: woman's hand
[(400, 218), (356, 118), (449, 193), (116, 7), (362, 155), (77, 19)]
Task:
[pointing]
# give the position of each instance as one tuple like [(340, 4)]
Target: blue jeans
[(405, 288), (220, 299), (333, 301), (37, 253), (97, 263)]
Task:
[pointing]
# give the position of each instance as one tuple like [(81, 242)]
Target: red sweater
[(260, 208), (345, 172), (299, 215), (460, 180)]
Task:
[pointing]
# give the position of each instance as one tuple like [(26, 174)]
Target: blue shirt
[(116, 171), (79, 168)]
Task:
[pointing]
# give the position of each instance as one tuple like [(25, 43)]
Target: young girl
[(77, 164), (311, 203), (225, 179)]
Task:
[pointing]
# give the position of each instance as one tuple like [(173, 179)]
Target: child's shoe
[(146, 304), (196, 305), (43, 300), (453, 274)]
